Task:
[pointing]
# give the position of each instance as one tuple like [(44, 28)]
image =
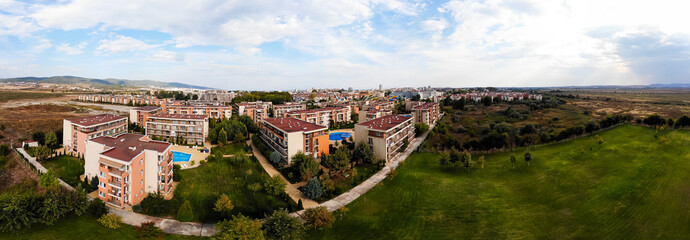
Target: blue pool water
[(339, 136), (181, 157)]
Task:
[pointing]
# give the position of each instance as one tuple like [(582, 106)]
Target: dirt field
[(637, 102)]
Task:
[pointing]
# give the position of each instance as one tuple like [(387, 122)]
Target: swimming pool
[(337, 136), (181, 157)]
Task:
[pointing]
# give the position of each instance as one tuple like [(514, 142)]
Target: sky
[(286, 44)]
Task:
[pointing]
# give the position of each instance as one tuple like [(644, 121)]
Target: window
[(141, 182), (101, 184), (141, 172), (101, 194), (141, 191), (141, 161)]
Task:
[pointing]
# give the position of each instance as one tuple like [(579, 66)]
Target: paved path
[(40, 167), (291, 189), (359, 190)]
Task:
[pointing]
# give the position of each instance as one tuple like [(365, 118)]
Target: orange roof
[(95, 120), (386, 122), (293, 125), (127, 146)]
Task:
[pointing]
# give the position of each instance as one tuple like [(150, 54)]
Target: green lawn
[(66, 167), (633, 186), (203, 185), (84, 227), (230, 148)]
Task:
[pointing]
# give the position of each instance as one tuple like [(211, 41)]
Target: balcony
[(114, 202), (115, 172), (116, 184)]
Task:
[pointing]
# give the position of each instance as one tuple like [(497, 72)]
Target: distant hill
[(108, 82)]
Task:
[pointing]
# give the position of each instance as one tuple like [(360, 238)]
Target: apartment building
[(427, 113), (129, 167), (139, 115), (281, 109), (256, 110), (322, 116), (386, 135), (387, 105), (372, 114), (287, 136), (191, 128), (211, 111), (75, 131)]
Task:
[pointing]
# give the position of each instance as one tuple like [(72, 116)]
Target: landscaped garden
[(241, 178), (66, 167), (631, 182)]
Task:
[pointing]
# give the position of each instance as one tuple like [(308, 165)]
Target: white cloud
[(71, 50), (119, 43)]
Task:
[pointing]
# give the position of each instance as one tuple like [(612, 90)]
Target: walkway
[(354, 193), (291, 189), (41, 169)]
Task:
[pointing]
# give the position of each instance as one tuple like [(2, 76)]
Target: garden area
[(66, 167), (629, 182), (240, 178)]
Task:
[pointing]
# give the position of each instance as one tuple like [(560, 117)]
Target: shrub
[(240, 227), (176, 177), (275, 185), (318, 217), (96, 208), (420, 128), (111, 221), (148, 230), (275, 157), (280, 225), (313, 189), (136, 208), (223, 205), (185, 214)]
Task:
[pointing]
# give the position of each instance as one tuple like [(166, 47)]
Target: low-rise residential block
[(386, 135), (129, 167), (75, 131), (281, 109), (191, 129), (322, 116), (139, 115), (427, 113), (372, 114), (288, 136)]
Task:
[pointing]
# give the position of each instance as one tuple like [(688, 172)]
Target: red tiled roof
[(147, 108), (127, 146), (178, 116), (386, 122), (95, 120), (293, 125)]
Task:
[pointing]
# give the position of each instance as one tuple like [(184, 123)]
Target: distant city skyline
[(282, 45)]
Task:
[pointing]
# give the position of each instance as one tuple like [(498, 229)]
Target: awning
[(111, 163)]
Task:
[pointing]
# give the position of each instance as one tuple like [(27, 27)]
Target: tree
[(281, 226), (51, 140), (148, 230), (239, 227), (654, 120), (94, 182), (275, 157), (513, 160), (48, 180), (185, 213), (420, 128), (405, 144), (528, 157), (15, 211), (275, 185), (338, 161), (445, 159), (42, 152), (223, 205), (96, 208), (254, 187), (318, 217), (222, 137), (313, 189), (307, 165), (467, 160), (364, 153), (670, 122), (683, 121), (81, 201), (39, 137)]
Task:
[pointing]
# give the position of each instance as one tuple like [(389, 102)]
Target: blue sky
[(262, 45)]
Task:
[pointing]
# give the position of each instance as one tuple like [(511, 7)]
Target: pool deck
[(196, 156)]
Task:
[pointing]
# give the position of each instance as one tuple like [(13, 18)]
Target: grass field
[(633, 186), (230, 148), (84, 227), (11, 95), (203, 185), (66, 167)]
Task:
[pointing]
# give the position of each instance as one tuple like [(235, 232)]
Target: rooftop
[(293, 125), (147, 108), (178, 116), (127, 146), (95, 120), (424, 106), (386, 122), (326, 109)]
